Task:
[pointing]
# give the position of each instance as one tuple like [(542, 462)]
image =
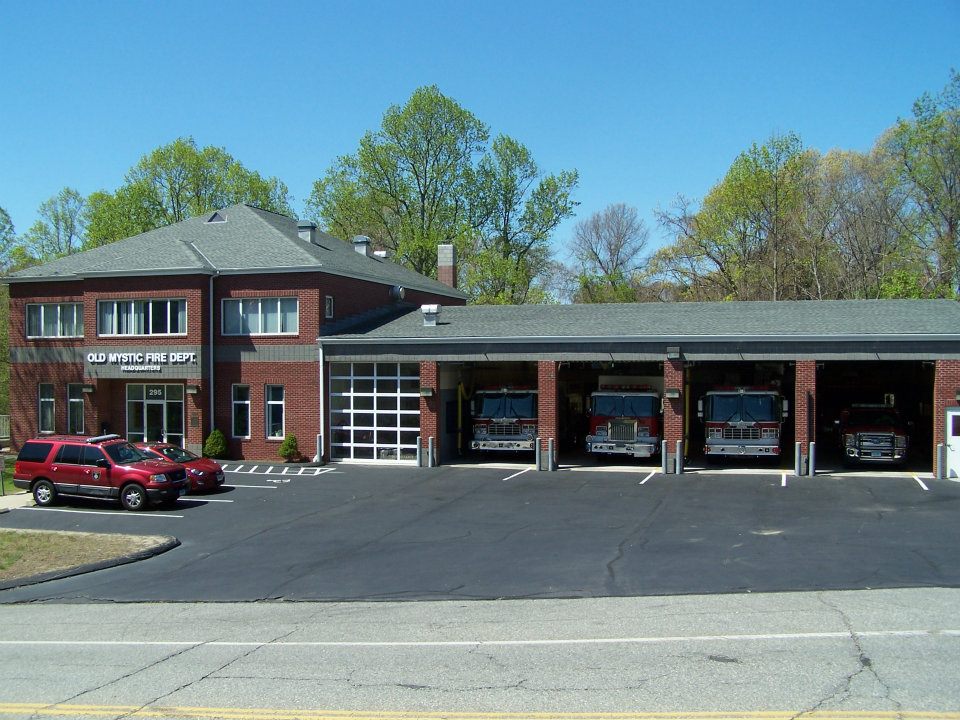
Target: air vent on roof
[(430, 315), (217, 217)]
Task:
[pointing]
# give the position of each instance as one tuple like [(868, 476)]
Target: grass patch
[(32, 552), (8, 488)]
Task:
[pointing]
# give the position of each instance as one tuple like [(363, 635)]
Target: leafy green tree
[(175, 182), (61, 228), (521, 209), (409, 184), (927, 150), (741, 243), (8, 238), (427, 177)]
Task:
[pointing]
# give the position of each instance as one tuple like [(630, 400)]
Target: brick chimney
[(447, 265)]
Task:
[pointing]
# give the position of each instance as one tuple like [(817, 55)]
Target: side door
[(65, 469), (95, 474), (953, 442)]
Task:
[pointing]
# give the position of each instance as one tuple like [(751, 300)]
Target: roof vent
[(307, 231), (382, 254), (430, 315), (217, 217), (361, 243)]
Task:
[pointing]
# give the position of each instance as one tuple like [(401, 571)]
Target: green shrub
[(288, 448), (216, 445)]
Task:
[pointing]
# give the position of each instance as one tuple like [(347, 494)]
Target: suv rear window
[(34, 452), (69, 455)]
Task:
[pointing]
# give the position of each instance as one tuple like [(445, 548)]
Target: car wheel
[(133, 497), (44, 493)]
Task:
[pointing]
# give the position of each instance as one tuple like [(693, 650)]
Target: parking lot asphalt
[(353, 532)]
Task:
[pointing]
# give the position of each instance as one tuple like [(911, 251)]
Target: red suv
[(106, 467)]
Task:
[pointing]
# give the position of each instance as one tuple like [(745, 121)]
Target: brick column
[(946, 384), (673, 377), (804, 406), (548, 420), (430, 409)]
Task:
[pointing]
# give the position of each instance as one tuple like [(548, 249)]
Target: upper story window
[(142, 317), (261, 316), (55, 320)]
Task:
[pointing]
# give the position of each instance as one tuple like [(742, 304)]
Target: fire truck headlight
[(849, 440), (769, 434), (901, 441), (479, 430), (715, 433), (529, 431), (601, 431)]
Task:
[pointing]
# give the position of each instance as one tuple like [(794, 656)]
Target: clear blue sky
[(646, 100)]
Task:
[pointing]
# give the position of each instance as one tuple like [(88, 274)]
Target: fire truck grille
[(623, 430), (503, 429), (747, 433)]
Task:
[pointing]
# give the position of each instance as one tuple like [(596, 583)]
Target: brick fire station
[(261, 326)]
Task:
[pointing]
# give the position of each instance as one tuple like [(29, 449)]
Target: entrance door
[(155, 422), (953, 442)]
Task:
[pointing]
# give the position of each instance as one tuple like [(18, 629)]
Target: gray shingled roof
[(250, 240), (836, 318)]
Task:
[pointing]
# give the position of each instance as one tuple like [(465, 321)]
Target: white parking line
[(262, 487), (783, 480), (202, 500), (644, 481), (920, 482), (515, 474), (97, 512)]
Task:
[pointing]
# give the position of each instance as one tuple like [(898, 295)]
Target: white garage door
[(374, 411)]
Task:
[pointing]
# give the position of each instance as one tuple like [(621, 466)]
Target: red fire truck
[(873, 433), (625, 419), (504, 419), (742, 421)]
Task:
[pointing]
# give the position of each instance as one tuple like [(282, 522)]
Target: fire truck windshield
[(742, 408), (625, 405), (507, 405)]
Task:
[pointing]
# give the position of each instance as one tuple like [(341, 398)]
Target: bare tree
[(609, 248)]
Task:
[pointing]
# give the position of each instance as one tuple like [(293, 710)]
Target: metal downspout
[(210, 342)]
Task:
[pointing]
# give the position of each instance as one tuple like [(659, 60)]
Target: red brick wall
[(673, 377), (301, 406), (804, 406), (24, 397), (430, 407), (548, 419), (946, 384)]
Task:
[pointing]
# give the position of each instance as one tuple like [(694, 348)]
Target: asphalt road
[(878, 655), (371, 533)]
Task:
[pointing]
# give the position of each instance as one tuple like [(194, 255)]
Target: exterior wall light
[(192, 389), (672, 393), (426, 392), (673, 352), (87, 388)]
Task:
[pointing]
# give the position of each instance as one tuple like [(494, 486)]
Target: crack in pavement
[(233, 660), (611, 583), (844, 689)]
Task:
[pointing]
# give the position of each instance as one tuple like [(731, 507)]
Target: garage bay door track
[(361, 533)]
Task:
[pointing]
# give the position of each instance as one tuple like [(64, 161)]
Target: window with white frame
[(142, 317), (241, 411), (273, 410), (45, 413), (75, 409), (261, 316), (54, 320), (328, 307)]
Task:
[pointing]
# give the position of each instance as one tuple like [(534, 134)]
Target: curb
[(168, 543)]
